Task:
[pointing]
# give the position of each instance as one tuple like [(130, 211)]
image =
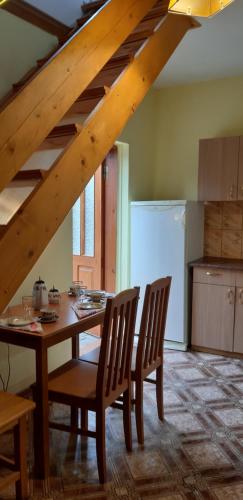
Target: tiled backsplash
[(223, 236)]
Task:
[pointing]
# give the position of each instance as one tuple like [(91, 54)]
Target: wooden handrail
[(27, 120), (32, 228)]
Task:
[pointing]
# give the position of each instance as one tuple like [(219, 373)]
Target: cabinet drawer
[(213, 276), (239, 279)]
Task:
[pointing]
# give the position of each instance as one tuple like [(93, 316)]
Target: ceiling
[(213, 51)]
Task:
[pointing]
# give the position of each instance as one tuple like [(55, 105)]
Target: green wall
[(183, 116), (140, 135), (21, 44)]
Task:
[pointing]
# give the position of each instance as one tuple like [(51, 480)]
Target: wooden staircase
[(102, 71)]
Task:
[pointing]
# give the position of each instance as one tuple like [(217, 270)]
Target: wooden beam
[(35, 111), (32, 228), (32, 15)]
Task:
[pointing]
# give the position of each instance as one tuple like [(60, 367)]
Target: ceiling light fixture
[(200, 8), (2, 2)]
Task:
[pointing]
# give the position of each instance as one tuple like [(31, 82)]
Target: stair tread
[(24, 175)]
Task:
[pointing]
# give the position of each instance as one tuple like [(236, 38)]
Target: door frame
[(123, 219)]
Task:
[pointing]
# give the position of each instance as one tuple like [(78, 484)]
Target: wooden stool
[(13, 411)]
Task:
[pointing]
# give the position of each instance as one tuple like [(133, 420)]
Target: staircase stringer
[(32, 228), (27, 120)]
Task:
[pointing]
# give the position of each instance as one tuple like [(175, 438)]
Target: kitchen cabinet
[(217, 310), (220, 176)]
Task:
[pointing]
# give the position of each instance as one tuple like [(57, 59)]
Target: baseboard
[(177, 346)]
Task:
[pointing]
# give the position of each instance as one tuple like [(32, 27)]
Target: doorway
[(95, 228)]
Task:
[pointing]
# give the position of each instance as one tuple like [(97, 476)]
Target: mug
[(48, 314)]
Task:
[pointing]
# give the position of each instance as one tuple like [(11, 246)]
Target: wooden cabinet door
[(238, 331), (213, 316), (218, 169), (240, 173)]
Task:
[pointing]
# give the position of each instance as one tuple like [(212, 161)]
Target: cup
[(48, 314), (77, 288), (27, 304)]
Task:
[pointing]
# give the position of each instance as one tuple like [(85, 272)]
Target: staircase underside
[(103, 73)]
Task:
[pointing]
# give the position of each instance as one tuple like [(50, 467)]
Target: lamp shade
[(201, 8)]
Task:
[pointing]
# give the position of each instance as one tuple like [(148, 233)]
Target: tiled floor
[(196, 453)]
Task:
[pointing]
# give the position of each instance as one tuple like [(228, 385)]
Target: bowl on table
[(47, 315), (95, 295)]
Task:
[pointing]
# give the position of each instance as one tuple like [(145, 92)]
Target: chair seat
[(93, 357), (12, 408), (75, 378)]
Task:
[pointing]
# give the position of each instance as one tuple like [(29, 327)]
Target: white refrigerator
[(165, 236)]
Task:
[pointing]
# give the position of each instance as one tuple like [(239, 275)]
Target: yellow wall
[(184, 115), (55, 267), (21, 44), (139, 134)]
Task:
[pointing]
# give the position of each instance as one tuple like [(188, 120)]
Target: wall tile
[(231, 244), (212, 242), (232, 215), (223, 232), (213, 215)]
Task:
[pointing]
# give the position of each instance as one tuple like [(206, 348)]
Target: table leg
[(75, 355), (75, 347), (41, 427)]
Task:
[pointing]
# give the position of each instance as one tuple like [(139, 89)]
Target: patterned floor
[(197, 453)]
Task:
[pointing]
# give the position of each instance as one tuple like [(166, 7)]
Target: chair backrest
[(153, 321), (116, 342)]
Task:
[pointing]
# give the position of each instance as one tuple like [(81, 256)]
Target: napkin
[(34, 327)]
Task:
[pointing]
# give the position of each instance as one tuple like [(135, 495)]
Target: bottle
[(54, 296), (40, 297)]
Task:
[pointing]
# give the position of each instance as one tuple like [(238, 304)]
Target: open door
[(95, 228)]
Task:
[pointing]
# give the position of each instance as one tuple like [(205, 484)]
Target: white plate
[(19, 322), (91, 305)]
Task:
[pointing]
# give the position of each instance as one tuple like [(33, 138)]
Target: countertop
[(218, 263)]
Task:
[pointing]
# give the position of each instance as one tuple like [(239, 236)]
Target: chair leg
[(20, 451), (84, 420), (139, 411), (133, 395), (159, 392), (100, 445), (127, 424), (74, 417)]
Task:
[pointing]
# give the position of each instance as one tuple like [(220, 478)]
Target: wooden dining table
[(68, 325)]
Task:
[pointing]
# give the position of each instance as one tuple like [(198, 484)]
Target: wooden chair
[(148, 353), (93, 387), (13, 412)]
